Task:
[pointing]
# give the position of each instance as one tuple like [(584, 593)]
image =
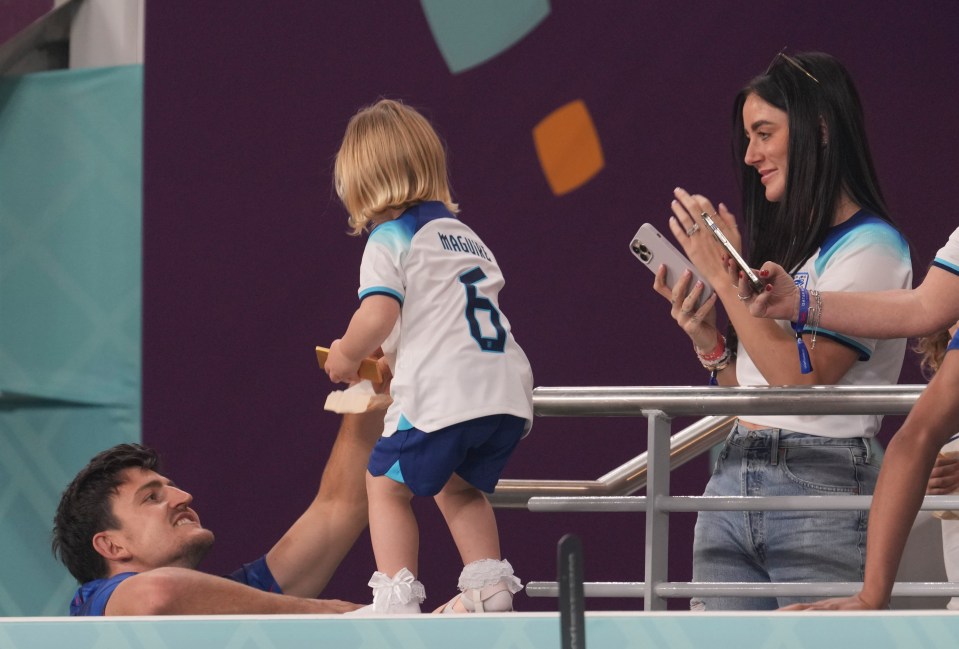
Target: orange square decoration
[(568, 147)]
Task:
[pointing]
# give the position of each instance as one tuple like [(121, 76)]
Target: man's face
[(157, 527)]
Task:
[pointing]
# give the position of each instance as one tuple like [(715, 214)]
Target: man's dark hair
[(85, 508)]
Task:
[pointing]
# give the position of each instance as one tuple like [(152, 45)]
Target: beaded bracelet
[(718, 363), (718, 366), (717, 351)]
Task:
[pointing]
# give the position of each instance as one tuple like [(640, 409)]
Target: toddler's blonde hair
[(933, 350), (390, 158)]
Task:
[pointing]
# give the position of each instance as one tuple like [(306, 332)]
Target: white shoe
[(492, 599), (486, 586)]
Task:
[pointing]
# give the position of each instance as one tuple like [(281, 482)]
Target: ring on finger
[(743, 297), (693, 229)]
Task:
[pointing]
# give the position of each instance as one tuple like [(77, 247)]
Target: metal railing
[(611, 492)]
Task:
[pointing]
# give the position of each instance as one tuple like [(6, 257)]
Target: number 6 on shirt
[(477, 302)]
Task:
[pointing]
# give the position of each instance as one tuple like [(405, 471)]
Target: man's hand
[(944, 478), (336, 606), (854, 603)]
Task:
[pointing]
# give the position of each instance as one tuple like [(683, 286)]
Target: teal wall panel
[(470, 33), (70, 231), (42, 446), (70, 304)]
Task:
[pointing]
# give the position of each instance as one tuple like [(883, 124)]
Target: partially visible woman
[(930, 307), (916, 448), (812, 204), (944, 479), (912, 455)]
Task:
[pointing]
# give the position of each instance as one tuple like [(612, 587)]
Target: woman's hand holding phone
[(692, 298), (694, 216), (698, 321), (660, 256)]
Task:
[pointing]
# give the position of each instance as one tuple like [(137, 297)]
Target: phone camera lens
[(644, 253)]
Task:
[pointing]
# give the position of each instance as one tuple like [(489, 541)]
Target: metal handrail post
[(657, 519)]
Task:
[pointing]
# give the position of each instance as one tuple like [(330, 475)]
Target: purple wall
[(247, 267), (17, 15)]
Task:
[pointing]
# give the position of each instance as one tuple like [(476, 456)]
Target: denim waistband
[(776, 438)]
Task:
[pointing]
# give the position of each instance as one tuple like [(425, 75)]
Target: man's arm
[(304, 559), (901, 486), (182, 591)]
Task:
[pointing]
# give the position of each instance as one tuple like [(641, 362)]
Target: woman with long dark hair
[(812, 203)]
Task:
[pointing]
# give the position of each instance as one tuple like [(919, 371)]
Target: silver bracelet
[(816, 317)]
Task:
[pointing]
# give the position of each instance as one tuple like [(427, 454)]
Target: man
[(129, 536)]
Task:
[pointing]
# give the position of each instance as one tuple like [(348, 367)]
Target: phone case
[(653, 249), (743, 266)]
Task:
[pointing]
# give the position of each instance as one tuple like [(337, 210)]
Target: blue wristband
[(805, 364)]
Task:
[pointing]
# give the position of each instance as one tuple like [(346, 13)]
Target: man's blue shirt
[(92, 597)]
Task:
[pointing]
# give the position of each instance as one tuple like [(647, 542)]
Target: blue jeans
[(790, 546)]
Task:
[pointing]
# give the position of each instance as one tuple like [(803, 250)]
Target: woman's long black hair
[(828, 154)]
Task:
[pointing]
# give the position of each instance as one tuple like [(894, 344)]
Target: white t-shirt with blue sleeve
[(864, 253), (452, 351), (948, 256)]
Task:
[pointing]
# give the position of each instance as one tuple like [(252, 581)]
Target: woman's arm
[(931, 307), (902, 482), (698, 323), (771, 348)]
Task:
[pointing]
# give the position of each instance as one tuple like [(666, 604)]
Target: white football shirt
[(863, 253), (452, 352)]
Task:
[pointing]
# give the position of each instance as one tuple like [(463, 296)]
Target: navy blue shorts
[(476, 450)]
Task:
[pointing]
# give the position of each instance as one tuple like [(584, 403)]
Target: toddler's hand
[(339, 367)]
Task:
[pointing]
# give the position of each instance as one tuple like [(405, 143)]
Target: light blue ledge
[(677, 630)]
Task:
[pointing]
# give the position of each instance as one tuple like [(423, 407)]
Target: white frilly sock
[(399, 594), (488, 585)]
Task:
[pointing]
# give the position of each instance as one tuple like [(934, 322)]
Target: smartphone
[(753, 281), (653, 249)]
